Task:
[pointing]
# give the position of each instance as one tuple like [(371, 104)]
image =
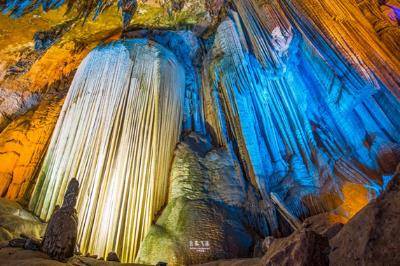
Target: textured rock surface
[(112, 256), (325, 224), (14, 221), (371, 236), (294, 88), (13, 104), (340, 26), (59, 240), (383, 18), (297, 110), (236, 262), (24, 141), (212, 211), (304, 247)]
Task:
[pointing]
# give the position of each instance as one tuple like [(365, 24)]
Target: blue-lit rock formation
[(303, 120), (301, 126)]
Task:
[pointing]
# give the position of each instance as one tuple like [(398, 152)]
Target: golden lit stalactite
[(341, 26), (116, 134), (385, 25)]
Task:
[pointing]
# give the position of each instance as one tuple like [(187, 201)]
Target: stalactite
[(297, 121), (338, 30), (256, 107), (116, 135), (387, 28)]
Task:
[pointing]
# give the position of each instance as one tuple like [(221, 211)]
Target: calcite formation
[(131, 125), (59, 240), (253, 103), (129, 8), (212, 211), (24, 141), (383, 16), (197, 128), (13, 104)]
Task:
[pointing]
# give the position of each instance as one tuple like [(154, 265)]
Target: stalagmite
[(116, 134), (59, 240)]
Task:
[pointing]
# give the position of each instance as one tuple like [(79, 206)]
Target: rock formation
[(14, 221), (212, 211), (302, 248), (284, 116), (128, 8), (23, 142), (59, 240), (126, 115), (14, 104), (384, 20), (253, 103), (325, 224), (112, 256), (370, 237)]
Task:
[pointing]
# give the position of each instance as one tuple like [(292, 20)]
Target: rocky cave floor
[(369, 238)]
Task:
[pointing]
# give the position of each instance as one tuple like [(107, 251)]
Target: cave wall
[(24, 141)]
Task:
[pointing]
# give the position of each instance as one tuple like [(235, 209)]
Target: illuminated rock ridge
[(192, 145)]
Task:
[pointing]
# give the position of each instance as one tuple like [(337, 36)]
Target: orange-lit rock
[(355, 198), (371, 236), (24, 141), (383, 20)]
